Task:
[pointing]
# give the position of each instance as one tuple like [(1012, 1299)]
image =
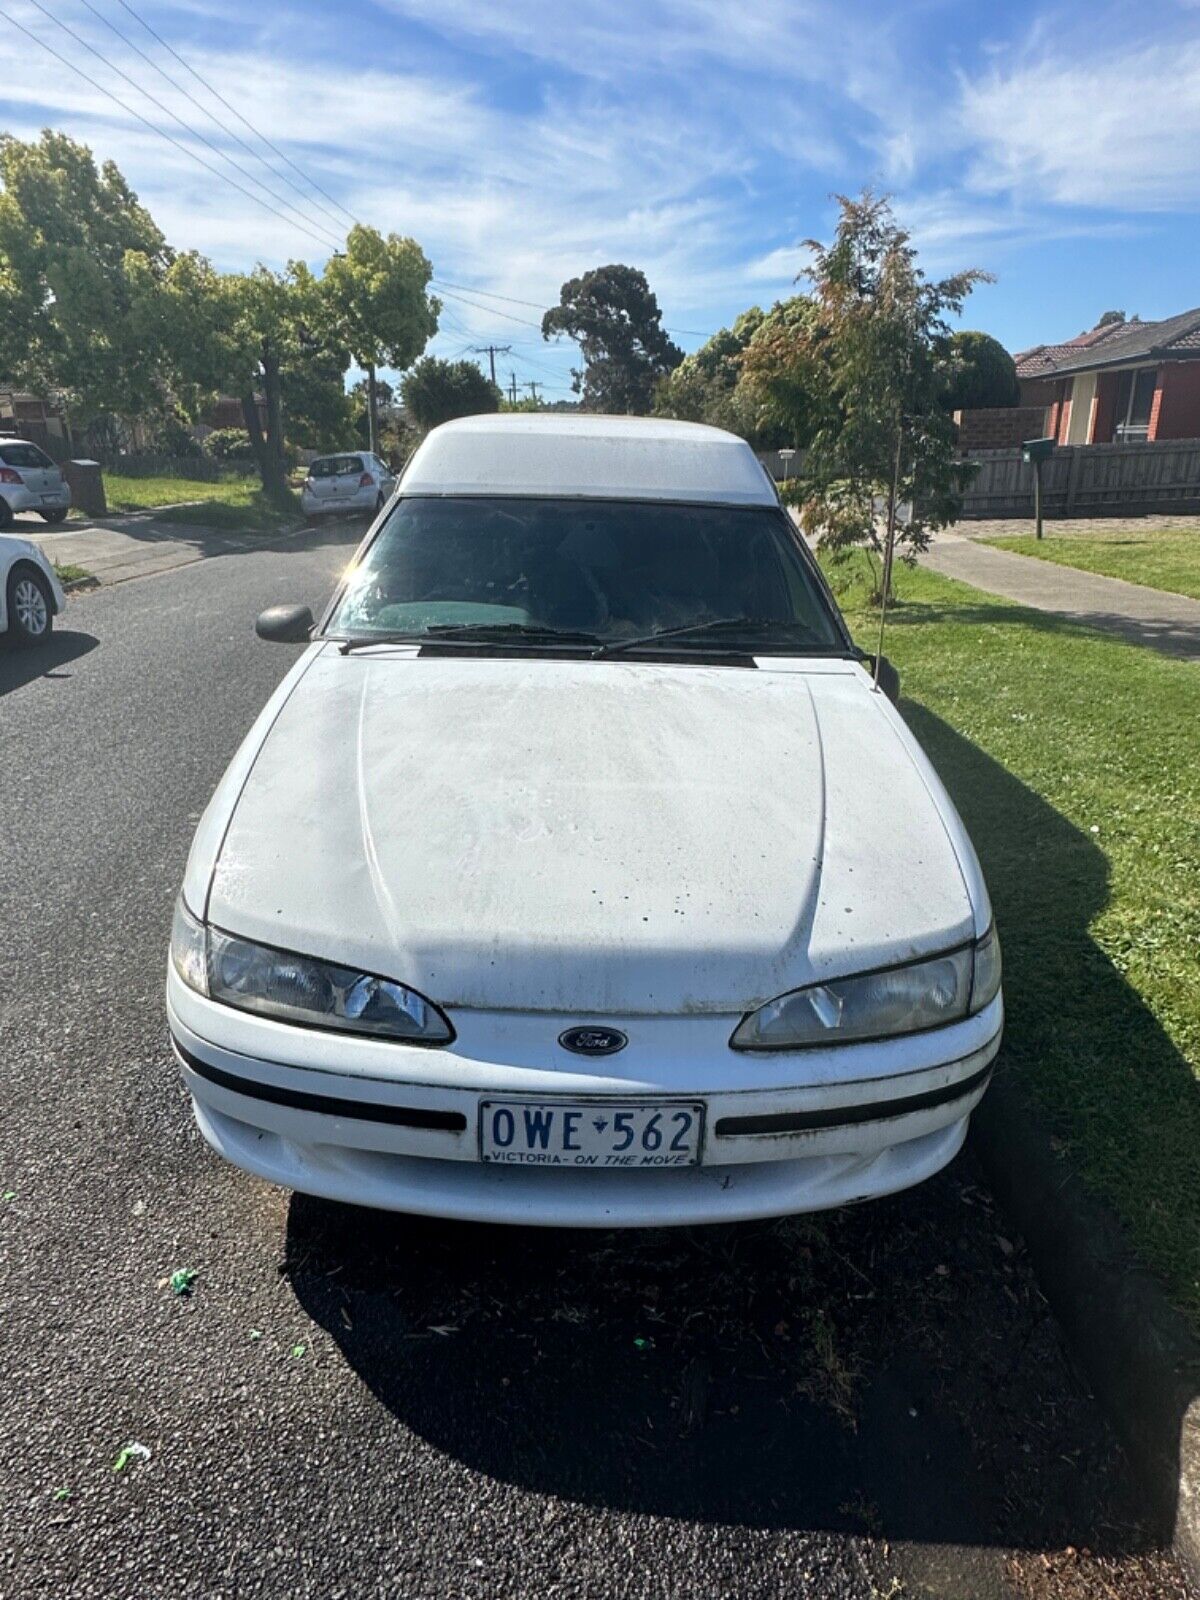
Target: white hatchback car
[(357, 483), (575, 873), (30, 593), (30, 481)]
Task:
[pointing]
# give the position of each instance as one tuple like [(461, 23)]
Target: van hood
[(591, 837)]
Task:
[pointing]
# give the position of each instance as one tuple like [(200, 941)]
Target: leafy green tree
[(378, 306), (81, 261), (359, 400), (784, 382), (880, 344), (318, 413), (438, 391), (614, 317), (983, 373), (703, 387)]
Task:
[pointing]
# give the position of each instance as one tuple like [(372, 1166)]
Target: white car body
[(549, 847), (30, 481), (361, 489), (21, 560)]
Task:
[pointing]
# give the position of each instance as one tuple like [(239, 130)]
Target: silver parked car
[(30, 481), (357, 483)]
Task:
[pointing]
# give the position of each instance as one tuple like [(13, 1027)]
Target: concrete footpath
[(1166, 622), (112, 549)]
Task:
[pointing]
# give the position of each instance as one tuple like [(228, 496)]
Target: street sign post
[(1036, 451)]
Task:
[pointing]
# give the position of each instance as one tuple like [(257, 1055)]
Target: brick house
[(1126, 382)]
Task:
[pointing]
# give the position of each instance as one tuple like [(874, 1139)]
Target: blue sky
[(523, 141)]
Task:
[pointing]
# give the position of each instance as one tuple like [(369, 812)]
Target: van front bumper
[(383, 1124)]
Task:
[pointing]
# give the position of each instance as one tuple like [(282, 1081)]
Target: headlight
[(294, 988), (187, 948), (878, 1005)]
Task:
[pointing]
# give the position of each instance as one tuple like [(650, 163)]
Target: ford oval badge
[(593, 1041)]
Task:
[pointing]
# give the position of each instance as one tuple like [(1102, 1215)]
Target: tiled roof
[(1113, 344)]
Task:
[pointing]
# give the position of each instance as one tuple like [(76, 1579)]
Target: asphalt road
[(873, 1404)]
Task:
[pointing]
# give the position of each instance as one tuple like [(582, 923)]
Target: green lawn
[(1160, 558), (234, 503), (1072, 758)]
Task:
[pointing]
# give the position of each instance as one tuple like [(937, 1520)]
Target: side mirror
[(889, 678), (285, 624)]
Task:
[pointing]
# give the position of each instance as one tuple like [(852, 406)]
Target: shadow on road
[(889, 1370), (21, 666)]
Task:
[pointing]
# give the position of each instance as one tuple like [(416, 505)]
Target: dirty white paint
[(610, 458), (605, 837)]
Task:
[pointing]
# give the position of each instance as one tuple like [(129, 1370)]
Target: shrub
[(229, 444)]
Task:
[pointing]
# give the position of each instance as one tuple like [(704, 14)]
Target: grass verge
[(1156, 558), (1071, 757), (234, 503)]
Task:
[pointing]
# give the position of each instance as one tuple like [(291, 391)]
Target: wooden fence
[(1093, 480)]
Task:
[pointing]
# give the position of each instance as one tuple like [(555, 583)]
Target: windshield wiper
[(533, 631), (474, 633), (363, 640), (717, 625)]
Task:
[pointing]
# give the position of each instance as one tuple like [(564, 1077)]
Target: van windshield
[(600, 570)]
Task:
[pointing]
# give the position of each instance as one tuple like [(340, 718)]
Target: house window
[(1135, 397)]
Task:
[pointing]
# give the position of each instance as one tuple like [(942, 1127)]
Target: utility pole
[(533, 386), (512, 387), (491, 351)]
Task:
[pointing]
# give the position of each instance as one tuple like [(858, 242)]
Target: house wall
[(998, 428), (1064, 411), (1176, 410), (1038, 391), (1083, 395), (1104, 417)]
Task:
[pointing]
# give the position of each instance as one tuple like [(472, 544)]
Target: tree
[(785, 383), (360, 408), (983, 373), (880, 334), (81, 263), (1108, 318), (438, 391), (613, 316), (378, 305), (703, 387), (318, 413)]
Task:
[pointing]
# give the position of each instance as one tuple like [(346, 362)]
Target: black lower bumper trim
[(849, 1116), (326, 1104)]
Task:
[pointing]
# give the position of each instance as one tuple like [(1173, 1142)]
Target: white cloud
[(1118, 130)]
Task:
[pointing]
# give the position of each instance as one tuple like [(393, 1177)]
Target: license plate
[(51, 499), (583, 1133)]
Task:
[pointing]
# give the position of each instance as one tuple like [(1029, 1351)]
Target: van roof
[(584, 455)]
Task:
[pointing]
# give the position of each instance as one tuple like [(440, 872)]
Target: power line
[(445, 286), (145, 121), (490, 294), (246, 123), (492, 311), (216, 121)]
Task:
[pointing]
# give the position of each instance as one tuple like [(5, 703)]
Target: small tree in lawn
[(885, 447)]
